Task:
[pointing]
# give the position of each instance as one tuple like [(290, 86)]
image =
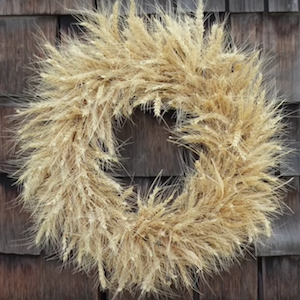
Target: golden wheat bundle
[(224, 116)]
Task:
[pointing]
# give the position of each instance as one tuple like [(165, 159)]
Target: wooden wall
[(266, 273)]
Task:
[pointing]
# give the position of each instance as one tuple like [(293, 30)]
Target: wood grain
[(281, 39), (286, 228), (14, 223), (6, 143), (291, 164), (123, 9), (146, 185), (282, 43), (278, 36), (144, 6), (209, 5), (178, 295), (145, 148), (35, 278), (41, 7), (17, 48), (240, 283), (246, 5), (283, 5), (281, 278), (247, 29), (148, 6), (69, 27)]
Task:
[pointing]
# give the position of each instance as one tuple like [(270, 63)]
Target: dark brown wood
[(146, 185), (69, 27), (149, 6), (246, 5), (286, 228), (18, 45), (178, 295), (290, 166), (122, 296), (240, 283), (14, 223), (209, 5), (281, 39), (143, 6), (40, 7), (6, 142), (283, 5), (35, 278), (123, 9), (281, 278), (277, 34), (145, 148), (247, 29)]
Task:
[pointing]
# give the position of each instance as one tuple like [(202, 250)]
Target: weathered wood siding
[(266, 273)]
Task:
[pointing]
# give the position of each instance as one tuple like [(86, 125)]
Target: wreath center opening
[(148, 156)]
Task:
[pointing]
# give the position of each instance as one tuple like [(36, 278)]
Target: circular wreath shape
[(86, 86)]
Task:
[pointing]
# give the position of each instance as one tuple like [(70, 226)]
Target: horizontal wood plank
[(14, 223), (104, 4), (173, 295), (18, 46), (283, 5), (246, 6), (41, 7), (35, 278), (240, 283), (68, 25), (209, 5), (146, 185), (149, 6), (286, 228), (7, 148), (281, 39), (290, 166), (285, 68), (145, 149), (278, 36), (281, 278), (143, 6), (247, 29)]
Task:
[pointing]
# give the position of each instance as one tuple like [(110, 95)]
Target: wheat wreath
[(86, 86)]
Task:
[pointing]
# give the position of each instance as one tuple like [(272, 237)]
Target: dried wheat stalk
[(66, 139)]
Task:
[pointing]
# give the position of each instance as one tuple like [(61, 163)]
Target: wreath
[(66, 136)]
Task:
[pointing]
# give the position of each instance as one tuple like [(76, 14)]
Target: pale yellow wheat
[(66, 138)]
